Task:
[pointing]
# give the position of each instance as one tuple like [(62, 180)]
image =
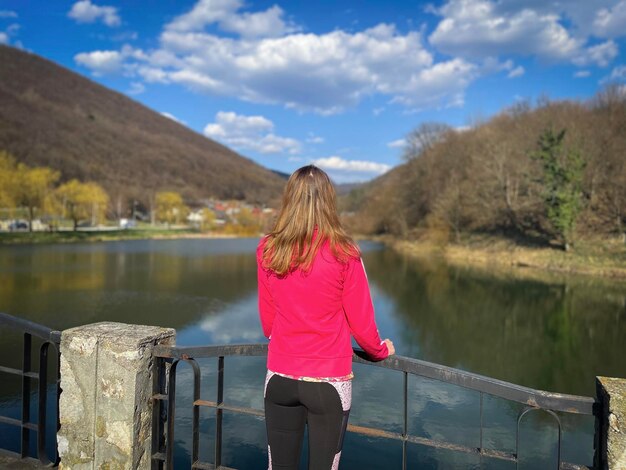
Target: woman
[(313, 293)]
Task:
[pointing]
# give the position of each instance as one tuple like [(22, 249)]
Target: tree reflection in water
[(553, 334)]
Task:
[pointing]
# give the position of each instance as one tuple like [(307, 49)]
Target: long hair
[(309, 206)]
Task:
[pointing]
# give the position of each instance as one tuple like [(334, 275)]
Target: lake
[(555, 334)]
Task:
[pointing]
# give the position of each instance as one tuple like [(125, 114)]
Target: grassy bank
[(11, 238), (606, 258)]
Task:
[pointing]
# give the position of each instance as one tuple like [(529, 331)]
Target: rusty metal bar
[(405, 418), (199, 352), (378, 433), (527, 410), (498, 388), (26, 365), (43, 403), (171, 410), (158, 417), (480, 442), (195, 422), (32, 328), (219, 411), (535, 398)]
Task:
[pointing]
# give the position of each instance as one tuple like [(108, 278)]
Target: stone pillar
[(106, 382), (612, 398)]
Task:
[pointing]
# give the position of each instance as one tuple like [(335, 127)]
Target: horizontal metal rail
[(32, 328), (164, 400), (480, 383)]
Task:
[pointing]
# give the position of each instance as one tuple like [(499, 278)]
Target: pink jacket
[(309, 316)]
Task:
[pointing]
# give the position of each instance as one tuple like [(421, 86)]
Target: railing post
[(219, 412), (611, 422), (26, 364), (105, 407)]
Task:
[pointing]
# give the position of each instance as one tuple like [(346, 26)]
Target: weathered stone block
[(612, 396), (106, 383)]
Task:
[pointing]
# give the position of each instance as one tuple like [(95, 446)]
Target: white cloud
[(267, 59), (397, 144), (153, 74), (479, 28), (250, 133), (617, 74), (611, 22), (582, 74), (10, 31), (601, 54), (224, 13), (474, 28), (173, 118), (125, 36), (314, 139), (84, 11), (354, 166), (100, 62), (324, 73), (136, 88), (8, 14), (516, 72), (110, 62)]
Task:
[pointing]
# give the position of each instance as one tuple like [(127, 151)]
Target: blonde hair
[(309, 202)]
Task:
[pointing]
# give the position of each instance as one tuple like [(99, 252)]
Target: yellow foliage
[(34, 184), (170, 207), (208, 219), (83, 201), (246, 224), (7, 180)]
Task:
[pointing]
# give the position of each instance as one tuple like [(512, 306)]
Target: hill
[(50, 116), (549, 173)]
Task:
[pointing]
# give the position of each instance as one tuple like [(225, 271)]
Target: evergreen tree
[(562, 179)]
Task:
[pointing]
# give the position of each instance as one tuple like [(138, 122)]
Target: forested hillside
[(52, 117), (549, 172)]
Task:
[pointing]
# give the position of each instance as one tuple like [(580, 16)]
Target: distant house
[(195, 217), (127, 223)]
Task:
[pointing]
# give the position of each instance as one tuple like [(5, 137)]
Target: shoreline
[(65, 237), (599, 259), (494, 254)]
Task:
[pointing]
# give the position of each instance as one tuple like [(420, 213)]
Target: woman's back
[(309, 315), (312, 294)]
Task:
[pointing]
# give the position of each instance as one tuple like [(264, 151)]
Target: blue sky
[(337, 83)]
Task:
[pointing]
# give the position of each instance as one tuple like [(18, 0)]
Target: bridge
[(107, 354)]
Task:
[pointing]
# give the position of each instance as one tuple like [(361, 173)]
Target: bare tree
[(424, 137)]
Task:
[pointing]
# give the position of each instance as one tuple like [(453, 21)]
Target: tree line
[(37, 191), (551, 172)]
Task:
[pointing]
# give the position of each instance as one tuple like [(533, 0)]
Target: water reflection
[(555, 335)]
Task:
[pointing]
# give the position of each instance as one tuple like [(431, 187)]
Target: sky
[(336, 83)]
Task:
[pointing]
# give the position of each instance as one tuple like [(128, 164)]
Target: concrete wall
[(106, 382), (612, 398)]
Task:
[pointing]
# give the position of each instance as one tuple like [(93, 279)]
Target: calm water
[(554, 336)]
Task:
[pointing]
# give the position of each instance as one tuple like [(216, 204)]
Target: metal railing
[(50, 338), (164, 399)]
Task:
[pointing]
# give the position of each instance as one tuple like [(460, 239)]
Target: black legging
[(289, 405)]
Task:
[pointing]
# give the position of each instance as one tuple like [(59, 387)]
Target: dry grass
[(606, 257)]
